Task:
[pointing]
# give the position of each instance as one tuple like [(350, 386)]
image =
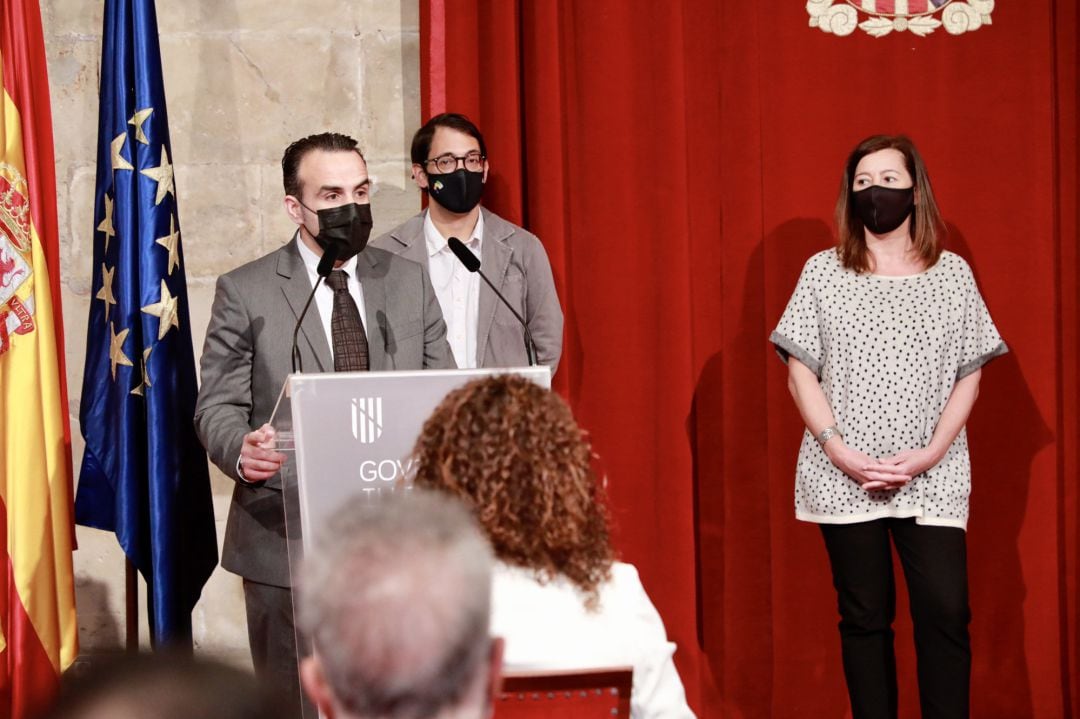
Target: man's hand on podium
[(258, 459)]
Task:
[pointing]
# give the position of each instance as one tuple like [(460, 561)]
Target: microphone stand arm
[(530, 347)]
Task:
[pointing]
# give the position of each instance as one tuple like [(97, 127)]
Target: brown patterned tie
[(350, 344)]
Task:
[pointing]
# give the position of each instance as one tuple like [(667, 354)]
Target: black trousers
[(273, 642), (934, 560)]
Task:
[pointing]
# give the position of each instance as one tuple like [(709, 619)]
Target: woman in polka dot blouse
[(885, 337)]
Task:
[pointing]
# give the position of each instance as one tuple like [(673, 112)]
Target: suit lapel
[(410, 242), (373, 285), (494, 259), (296, 287)]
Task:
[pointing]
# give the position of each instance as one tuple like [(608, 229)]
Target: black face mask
[(348, 226), (883, 209), (458, 191)]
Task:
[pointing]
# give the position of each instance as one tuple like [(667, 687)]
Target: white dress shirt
[(457, 290), (547, 627), (324, 296)]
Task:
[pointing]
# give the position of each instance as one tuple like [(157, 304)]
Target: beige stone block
[(73, 89), (394, 199), (390, 18), (256, 16), (244, 98), (76, 310), (200, 301), (277, 227), (72, 17), (219, 622), (77, 228), (99, 589), (410, 80), (219, 222), (388, 129)]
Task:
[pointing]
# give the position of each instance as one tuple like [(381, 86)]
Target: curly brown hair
[(513, 452)]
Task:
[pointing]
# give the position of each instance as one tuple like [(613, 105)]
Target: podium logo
[(367, 423)]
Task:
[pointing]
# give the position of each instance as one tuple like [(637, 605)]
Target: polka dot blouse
[(887, 351)]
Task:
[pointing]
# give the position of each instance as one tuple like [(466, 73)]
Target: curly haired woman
[(513, 451)]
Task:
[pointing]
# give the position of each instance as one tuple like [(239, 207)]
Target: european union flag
[(144, 474)]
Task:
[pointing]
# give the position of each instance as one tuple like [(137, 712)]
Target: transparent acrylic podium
[(352, 434)]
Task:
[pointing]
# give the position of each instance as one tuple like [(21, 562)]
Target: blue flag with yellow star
[(144, 474)]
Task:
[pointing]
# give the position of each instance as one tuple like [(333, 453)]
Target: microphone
[(326, 264), (472, 264)]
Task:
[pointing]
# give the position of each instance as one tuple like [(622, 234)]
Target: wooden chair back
[(586, 694)]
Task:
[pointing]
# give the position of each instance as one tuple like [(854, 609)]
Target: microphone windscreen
[(329, 257), (463, 253)]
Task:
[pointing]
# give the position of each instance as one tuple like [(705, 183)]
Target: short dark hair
[(421, 142), (294, 153)]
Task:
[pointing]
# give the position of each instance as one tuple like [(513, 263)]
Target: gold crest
[(16, 272), (882, 17)]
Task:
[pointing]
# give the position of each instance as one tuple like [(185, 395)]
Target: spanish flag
[(38, 631)]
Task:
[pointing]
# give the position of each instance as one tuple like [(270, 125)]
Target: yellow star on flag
[(106, 225), (137, 120), (106, 291), (163, 174), (145, 374), (171, 242), (116, 350), (118, 161), (165, 310)]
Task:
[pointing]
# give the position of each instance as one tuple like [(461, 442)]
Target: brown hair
[(513, 452), (927, 230)]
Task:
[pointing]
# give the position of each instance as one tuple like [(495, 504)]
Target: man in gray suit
[(450, 164), (376, 311)]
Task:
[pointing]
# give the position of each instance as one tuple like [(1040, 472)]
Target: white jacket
[(547, 627)]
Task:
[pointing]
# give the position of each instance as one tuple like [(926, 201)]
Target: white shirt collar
[(311, 260), (436, 243)]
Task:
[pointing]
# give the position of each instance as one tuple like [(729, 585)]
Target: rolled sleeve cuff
[(969, 367), (786, 349)]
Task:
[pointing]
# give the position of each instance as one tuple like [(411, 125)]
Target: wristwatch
[(828, 433)]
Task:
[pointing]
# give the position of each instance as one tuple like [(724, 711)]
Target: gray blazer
[(246, 359), (515, 261)]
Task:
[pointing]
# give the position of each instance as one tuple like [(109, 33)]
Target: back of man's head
[(396, 597)]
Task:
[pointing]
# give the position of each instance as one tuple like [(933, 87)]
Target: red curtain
[(680, 162)]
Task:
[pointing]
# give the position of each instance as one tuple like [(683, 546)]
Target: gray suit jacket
[(515, 261), (246, 359)]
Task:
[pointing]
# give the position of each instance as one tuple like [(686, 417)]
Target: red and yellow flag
[(38, 631)]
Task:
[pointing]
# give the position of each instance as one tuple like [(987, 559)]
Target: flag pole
[(131, 591)]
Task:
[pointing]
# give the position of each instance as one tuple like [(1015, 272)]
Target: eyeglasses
[(448, 162)]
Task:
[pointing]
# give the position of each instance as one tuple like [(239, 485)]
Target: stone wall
[(243, 78)]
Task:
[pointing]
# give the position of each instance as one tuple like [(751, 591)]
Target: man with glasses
[(450, 164)]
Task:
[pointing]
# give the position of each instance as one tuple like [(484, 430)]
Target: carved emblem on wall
[(881, 17)]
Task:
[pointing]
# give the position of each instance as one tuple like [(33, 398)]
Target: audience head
[(163, 686), (513, 452), (396, 598)]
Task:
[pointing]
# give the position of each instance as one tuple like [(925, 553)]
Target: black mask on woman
[(348, 226), (458, 191), (883, 209)]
